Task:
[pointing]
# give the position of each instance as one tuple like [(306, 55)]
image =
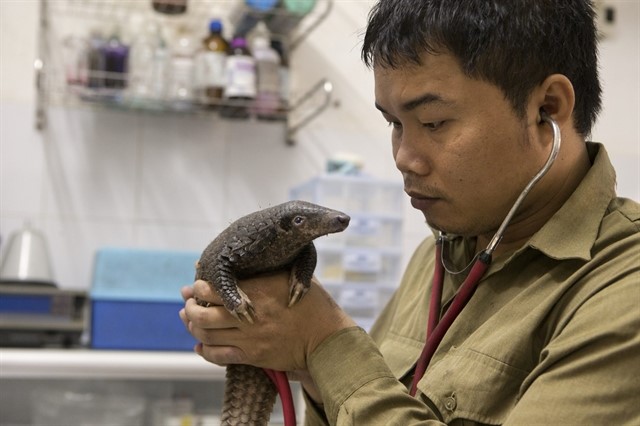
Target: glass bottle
[(116, 58), (210, 66)]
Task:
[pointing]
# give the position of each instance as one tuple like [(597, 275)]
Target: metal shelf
[(80, 15), (99, 364)]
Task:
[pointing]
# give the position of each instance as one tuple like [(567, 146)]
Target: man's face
[(464, 154)]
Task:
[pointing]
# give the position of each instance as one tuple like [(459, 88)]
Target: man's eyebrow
[(427, 98)]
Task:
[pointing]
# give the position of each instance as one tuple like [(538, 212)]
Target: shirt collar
[(571, 232)]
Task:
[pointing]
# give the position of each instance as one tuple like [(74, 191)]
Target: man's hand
[(282, 337)]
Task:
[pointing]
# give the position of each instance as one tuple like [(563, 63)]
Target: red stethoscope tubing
[(436, 329), (281, 382)]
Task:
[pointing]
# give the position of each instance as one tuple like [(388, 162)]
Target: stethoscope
[(436, 328)]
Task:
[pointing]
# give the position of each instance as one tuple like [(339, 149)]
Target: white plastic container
[(80, 409)]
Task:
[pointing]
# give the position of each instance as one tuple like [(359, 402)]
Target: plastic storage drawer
[(135, 299), (358, 265), (353, 194)]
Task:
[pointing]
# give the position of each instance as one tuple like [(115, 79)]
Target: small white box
[(373, 231), (375, 266), (329, 266)]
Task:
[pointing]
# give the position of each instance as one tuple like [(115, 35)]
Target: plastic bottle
[(182, 71), (210, 66), (148, 67), (240, 88), (265, 105), (141, 56), (160, 71), (75, 54)]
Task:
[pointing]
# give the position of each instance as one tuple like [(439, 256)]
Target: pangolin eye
[(298, 220)]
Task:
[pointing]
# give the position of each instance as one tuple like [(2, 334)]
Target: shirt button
[(450, 403)]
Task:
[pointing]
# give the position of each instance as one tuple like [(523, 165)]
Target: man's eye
[(434, 125)]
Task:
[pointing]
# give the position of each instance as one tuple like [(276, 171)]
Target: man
[(550, 335)]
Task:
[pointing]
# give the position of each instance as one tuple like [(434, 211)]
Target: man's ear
[(556, 97)]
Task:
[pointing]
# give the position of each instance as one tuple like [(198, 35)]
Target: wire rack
[(64, 22)]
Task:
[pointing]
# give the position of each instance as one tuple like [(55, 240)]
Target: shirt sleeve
[(357, 386), (314, 414)]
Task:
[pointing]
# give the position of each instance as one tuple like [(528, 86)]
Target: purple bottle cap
[(239, 43)]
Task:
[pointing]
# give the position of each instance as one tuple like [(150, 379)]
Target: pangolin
[(271, 239)]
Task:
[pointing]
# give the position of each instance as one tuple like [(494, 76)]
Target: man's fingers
[(221, 355), (203, 291), (211, 317), (183, 317), (186, 292)]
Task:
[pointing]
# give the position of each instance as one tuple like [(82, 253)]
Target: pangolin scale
[(271, 239)]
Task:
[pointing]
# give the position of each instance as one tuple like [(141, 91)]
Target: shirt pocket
[(466, 384)]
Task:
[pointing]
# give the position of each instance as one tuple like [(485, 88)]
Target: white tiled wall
[(96, 178)]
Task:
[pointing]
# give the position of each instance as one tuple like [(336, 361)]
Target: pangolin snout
[(342, 221)]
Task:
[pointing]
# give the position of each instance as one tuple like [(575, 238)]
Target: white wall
[(96, 178)]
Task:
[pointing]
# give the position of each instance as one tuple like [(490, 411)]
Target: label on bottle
[(268, 77), (240, 77), (211, 69)]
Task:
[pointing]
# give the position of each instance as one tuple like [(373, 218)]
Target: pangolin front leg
[(301, 273), (234, 299)]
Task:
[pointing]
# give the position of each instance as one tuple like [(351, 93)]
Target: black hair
[(513, 44)]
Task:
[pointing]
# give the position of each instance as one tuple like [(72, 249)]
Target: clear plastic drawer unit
[(360, 267)]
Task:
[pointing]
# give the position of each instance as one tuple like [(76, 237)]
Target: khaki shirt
[(551, 335)]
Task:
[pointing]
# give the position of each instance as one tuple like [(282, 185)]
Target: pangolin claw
[(296, 292), (245, 309)]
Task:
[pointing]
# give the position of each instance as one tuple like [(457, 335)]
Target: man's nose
[(410, 155)]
